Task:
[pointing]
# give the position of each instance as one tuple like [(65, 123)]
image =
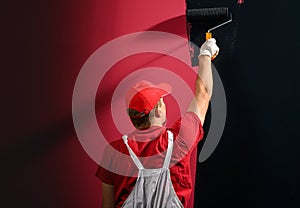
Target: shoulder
[(188, 121), (114, 148), (188, 131), (192, 116)]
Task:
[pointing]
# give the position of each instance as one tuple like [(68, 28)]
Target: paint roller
[(219, 16)]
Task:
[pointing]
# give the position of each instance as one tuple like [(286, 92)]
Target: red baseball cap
[(143, 96)]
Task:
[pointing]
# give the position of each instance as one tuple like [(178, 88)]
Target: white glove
[(209, 48)]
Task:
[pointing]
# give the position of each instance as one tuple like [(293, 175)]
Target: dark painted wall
[(256, 163)]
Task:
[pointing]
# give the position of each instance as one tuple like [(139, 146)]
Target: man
[(155, 148)]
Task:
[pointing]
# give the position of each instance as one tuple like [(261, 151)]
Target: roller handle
[(208, 35)]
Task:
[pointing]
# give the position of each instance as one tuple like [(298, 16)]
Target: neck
[(157, 122)]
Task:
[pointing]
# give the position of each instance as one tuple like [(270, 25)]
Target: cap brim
[(162, 90), (165, 87)]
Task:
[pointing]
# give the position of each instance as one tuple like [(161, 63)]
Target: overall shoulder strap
[(169, 150), (132, 154)]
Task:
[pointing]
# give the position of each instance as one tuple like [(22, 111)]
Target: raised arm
[(204, 81)]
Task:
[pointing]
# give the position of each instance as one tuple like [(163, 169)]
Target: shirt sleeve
[(189, 131), (102, 173)]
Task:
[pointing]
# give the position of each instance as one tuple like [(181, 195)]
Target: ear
[(158, 112)]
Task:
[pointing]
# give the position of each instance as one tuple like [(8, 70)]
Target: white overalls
[(153, 188)]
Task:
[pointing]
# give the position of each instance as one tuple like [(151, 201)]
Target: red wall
[(47, 42)]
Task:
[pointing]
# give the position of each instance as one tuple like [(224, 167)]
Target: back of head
[(141, 99)]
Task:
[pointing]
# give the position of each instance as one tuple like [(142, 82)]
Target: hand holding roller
[(209, 48)]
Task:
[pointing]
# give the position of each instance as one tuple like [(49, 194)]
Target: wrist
[(204, 57)]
